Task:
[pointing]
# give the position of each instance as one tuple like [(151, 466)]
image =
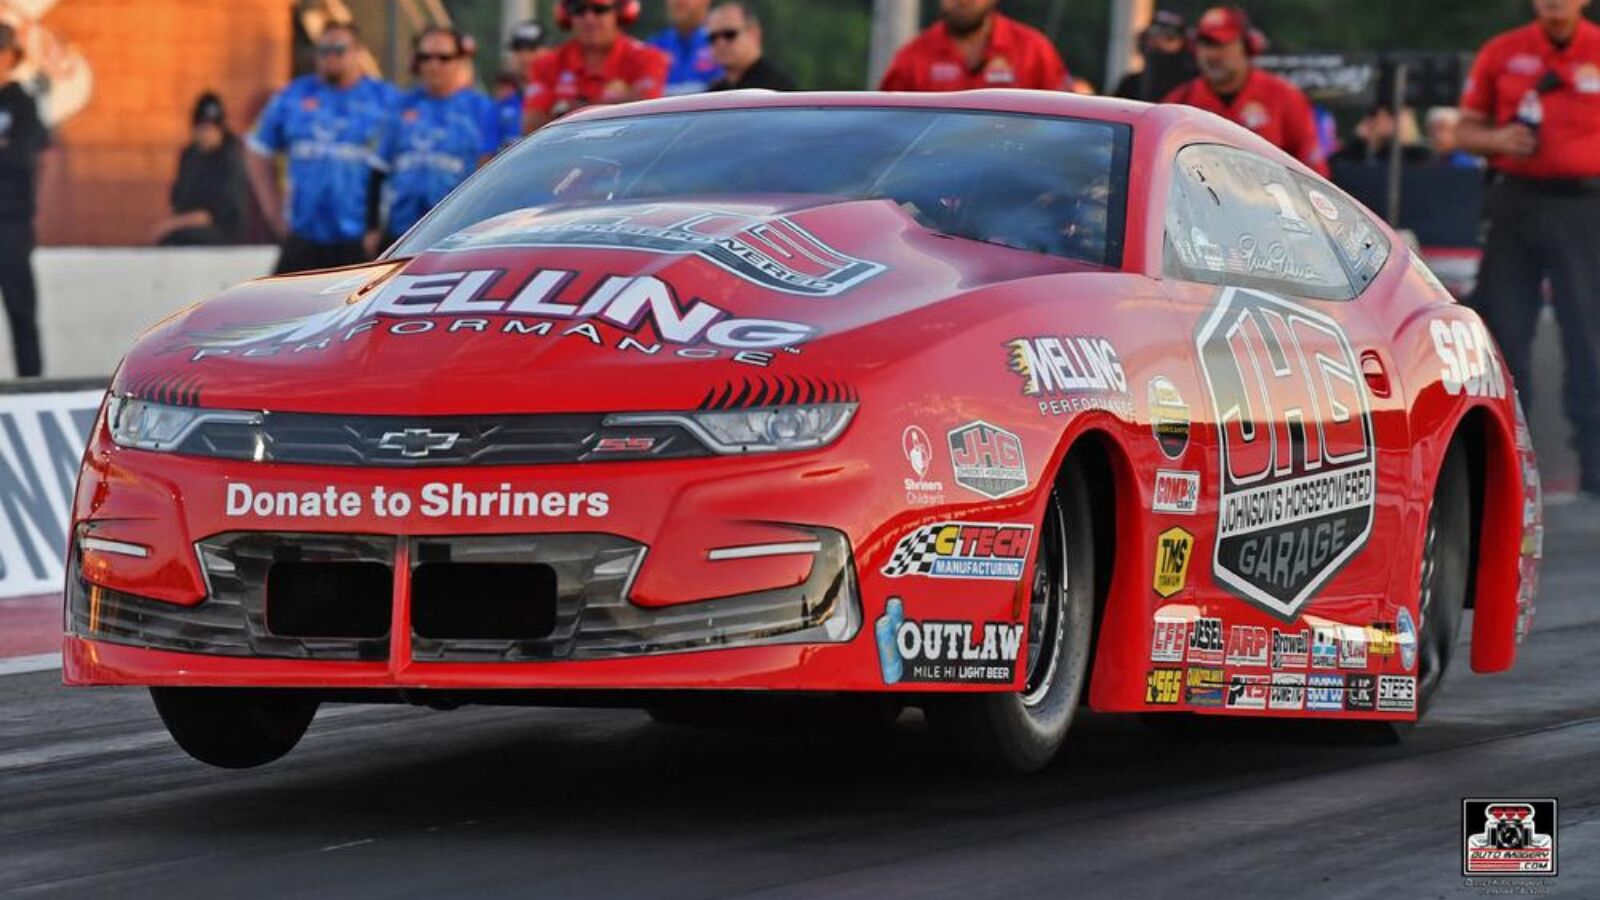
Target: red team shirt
[(1017, 57), (1267, 105), (1509, 66), (559, 78)]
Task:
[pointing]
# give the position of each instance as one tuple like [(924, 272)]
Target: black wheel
[(234, 728), (1446, 555), (1021, 732)]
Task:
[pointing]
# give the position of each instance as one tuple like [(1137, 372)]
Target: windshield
[(1049, 185)]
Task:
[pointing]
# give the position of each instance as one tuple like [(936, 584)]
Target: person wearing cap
[(22, 139), (1532, 106), (438, 134), (736, 40), (1231, 86), (526, 46), (599, 64), (974, 46), (329, 126), (209, 195), (687, 43), (1164, 44)]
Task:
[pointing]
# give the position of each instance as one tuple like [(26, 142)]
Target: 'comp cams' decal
[(769, 251), (948, 652), (995, 552), (987, 460), (1297, 458), (1176, 492)]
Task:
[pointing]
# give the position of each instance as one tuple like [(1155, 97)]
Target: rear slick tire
[(1021, 732), (234, 728)]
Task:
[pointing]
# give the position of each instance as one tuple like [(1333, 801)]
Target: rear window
[(1044, 184)]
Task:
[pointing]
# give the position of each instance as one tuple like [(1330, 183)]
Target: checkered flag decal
[(914, 555)]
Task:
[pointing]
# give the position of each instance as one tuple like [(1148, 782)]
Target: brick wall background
[(113, 162)]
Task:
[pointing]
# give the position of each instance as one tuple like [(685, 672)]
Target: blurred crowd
[(341, 163)]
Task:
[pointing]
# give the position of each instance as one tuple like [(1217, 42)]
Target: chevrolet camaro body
[(619, 435)]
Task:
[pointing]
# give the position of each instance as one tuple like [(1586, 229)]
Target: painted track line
[(19, 665)]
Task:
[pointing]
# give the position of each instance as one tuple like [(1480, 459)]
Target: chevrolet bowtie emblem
[(415, 443)]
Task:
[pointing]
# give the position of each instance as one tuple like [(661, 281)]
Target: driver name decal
[(1297, 481)]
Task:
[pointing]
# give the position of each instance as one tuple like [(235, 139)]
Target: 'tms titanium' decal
[(768, 251), (1297, 475)]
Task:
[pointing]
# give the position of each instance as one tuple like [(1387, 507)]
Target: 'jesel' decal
[(460, 302), (1297, 462)]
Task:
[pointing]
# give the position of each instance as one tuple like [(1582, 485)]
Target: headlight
[(157, 426), (755, 430)]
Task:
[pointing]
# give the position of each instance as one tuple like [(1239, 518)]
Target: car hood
[(623, 306)]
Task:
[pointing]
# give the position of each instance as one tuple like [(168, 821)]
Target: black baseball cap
[(209, 109), (527, 35)]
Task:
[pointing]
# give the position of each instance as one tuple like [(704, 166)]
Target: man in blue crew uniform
[(438, 133), (329, 125), (688, 45)]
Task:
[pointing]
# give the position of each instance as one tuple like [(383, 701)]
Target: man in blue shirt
[(688, 46), (329, 125), (438, 133)]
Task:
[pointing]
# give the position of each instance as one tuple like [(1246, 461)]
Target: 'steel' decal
[(1295, 434)]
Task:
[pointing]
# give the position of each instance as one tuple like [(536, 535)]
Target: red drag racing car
[(992, 403)]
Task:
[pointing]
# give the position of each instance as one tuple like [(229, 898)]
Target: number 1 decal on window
[(1289, 217)]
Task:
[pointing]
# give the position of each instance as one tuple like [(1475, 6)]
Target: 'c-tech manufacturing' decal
[(1297, 471)]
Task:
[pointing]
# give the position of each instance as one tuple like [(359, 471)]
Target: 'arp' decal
[(1295, 432)]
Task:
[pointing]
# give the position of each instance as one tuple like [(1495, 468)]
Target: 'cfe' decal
[(1296, 442)]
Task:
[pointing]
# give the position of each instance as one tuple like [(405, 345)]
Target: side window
[(1234, 218), (1356, 236)]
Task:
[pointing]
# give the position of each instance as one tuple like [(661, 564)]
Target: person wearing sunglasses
[(736, 40), (438, 133), (599, 64), (694, 67), (329, 126)]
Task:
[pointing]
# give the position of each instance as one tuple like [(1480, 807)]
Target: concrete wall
[(95, 301)]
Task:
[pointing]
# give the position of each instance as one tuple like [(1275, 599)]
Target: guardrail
[(44, 426)]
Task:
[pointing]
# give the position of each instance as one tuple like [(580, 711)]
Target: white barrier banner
[(42, 437)]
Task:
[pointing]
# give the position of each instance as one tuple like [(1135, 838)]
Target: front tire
[(234, 728), (1446, 556), (1021, 732)]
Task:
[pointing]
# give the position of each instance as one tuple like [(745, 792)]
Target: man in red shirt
[(598, 64), (1532, 105), (972, 46), (1230, 86)]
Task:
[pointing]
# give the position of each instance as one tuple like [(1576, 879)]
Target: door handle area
[(1376, 375)]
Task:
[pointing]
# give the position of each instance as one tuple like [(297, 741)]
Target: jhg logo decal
[(771, 252), (1295, 432), (987, 460), (1173, 549), (1508, 837), (962, 550)]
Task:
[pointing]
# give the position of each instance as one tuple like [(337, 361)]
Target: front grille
[(501, 598), (411, 441), (233, 620)]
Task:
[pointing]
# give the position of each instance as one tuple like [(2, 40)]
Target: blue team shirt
[(431, 145), (510, 108), (330, 136), (693, 67)]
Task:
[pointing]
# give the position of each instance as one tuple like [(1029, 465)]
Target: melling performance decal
[(1297, 460), (645, 311), (769, 251), (962, 550), (947, 652), (1071, 374)]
